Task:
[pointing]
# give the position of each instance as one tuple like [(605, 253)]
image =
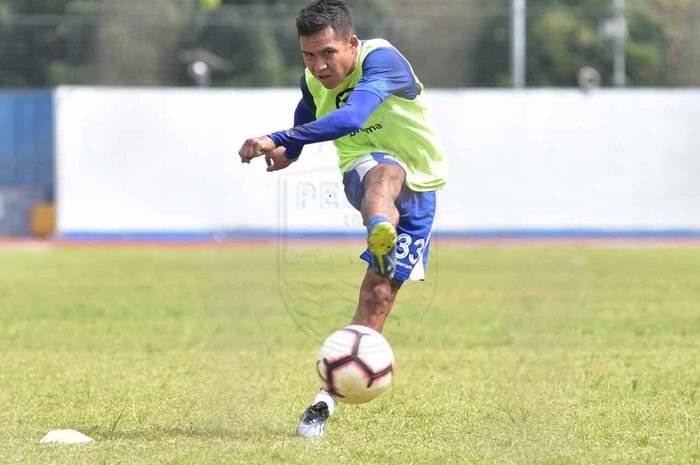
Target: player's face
[(329, 56)]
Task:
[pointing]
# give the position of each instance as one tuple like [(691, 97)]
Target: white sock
[(325, 396)]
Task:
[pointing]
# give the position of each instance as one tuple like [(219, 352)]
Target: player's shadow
[(166, 433)]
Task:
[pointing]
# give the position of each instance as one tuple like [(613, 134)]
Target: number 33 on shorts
[(404, 249), (411, 257)]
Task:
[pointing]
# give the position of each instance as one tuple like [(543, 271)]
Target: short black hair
[(319, 14)]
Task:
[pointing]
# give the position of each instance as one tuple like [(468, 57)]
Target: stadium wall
[(26, 157), (164, 163)]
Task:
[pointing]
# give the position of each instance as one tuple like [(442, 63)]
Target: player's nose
[(321, 65)]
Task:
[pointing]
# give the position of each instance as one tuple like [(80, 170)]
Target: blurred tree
[(25, 56), (33, 42), (565, 35), (646, 49), (449, 42), (139, 41), (258, 38), (435, 35), (249, 46), (132, 42), (209, 4), (39, 7), (562, 42), (681, 18)]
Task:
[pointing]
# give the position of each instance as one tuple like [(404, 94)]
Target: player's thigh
[(363, 169), (385, 178)]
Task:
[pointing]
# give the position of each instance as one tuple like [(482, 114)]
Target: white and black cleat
[(313, 421)]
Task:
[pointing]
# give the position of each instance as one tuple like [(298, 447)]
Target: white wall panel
[(550, 159), (165, 160)]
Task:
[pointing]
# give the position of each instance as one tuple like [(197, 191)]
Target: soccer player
[(364, 96)]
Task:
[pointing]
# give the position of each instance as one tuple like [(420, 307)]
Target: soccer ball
[(356, 363)]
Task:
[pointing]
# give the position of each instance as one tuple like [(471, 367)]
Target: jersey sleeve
[(385, 72), (304, 113), (358, 107)]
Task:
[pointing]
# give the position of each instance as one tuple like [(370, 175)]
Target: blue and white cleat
[(381, 242), (313, 420)]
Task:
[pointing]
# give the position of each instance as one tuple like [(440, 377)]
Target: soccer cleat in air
[(313, 420), (381, 243)]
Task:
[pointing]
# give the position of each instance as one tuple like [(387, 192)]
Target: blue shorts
[(416, 214)]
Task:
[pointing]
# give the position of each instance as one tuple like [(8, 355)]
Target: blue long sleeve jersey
[(384, 72)]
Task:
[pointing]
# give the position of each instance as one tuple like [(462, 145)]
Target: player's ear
[(354, 41)]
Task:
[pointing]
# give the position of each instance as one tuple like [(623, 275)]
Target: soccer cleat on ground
[(381, 243), (313, 420)]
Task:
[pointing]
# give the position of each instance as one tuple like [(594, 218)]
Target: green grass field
[(507, 355)]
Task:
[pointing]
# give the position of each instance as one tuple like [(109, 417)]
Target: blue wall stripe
[(469, 234)]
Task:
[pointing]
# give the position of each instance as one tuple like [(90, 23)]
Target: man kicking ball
[(364, 96)]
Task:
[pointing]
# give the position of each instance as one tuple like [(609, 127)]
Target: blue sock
[(375, 220)]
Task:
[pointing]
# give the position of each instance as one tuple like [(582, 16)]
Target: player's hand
[(276, 159), (254, 147)]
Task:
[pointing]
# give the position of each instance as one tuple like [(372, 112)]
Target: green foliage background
[(451, 43)]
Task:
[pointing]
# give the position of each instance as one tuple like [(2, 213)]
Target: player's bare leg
[(377, 297), (382, 186)]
